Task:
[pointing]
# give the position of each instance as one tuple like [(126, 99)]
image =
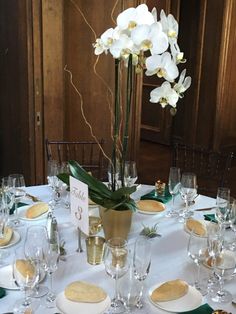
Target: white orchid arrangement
[(139, 41), (153, 46)]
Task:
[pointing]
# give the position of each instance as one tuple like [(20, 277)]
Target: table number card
[(79, 204)]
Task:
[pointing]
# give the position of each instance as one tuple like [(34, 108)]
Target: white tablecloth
[(169, 254)]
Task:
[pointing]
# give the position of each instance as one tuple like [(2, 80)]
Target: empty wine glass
[(141, 262), (4, 214), (130, 173), (197, 248), (36, 244), (188, 190), (16, 183), (116, 265), (232, 222), (174, 186), (224, 269), (222, 205), (54, 168), (52, 254), (25, 275)]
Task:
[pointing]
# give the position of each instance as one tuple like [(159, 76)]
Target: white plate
[(69, 307), (15, 239), (22, 211), (6, 278), (189, 302)]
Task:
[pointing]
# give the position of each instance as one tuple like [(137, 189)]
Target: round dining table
[(169, 260)]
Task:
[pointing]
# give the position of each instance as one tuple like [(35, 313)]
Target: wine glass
[(141, 263), (188, 190), (224, 269), (4, 214), (130, 173), (116, 265), (16, 183), (232, 221), (114, 175), (36, 244), (174, 186), (222, 205), (52, 254), (26, 275), (54, 168), (197, 248)]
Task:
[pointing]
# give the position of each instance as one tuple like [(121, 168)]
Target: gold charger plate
[(150, 207)]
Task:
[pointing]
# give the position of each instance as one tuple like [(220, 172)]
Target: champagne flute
[(52, 254), (141, 263), (26, 275), (16, 183), (174, 186), (116, 265), (54, 168), (36, 244), (222, 205), (197, 248), (188, 190)]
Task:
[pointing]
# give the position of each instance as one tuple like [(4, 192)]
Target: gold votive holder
[(95, 249), (160, 188)]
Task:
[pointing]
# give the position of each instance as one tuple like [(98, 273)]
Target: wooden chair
[(87, 153), (212, 168)]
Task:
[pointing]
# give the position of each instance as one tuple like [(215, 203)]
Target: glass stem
[(139, 303), (173, 201), (50, 275), (198, 275), (116, 287)]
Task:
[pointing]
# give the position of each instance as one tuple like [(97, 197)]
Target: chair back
[(87, 153), (212, 168)]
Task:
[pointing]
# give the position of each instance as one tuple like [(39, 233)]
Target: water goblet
[(188, 190), (224, 269), (197, 248), (52, 254), (116, 265), (141, 263), (26, 275), (36, 244), (174, 186), (16, 183)]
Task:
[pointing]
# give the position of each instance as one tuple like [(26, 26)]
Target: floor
[(155, 161)]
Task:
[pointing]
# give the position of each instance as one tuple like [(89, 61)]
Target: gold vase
[(116, 223)]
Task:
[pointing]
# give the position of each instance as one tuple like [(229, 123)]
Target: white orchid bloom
[(122, 47), (170, 26), (159, 39), (132, 17), (99, 47), (177, 55), (154, 13), (105, 42), (164, 95), (163, 66), (183, 83), (141, 37)]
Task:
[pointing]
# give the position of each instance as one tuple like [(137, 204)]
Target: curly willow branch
[(83, 115), (113, 10)]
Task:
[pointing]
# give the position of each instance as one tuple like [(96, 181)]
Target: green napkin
[(2, 292), (153, 196), (18, 205), (203, 309), (210, 217)]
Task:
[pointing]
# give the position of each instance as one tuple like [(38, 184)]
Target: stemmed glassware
[(113, 173), (197, 248), (232, 221), (222, 205), (224, 269), (16, 183), (130, 173), (26, 275), (188, 190), (141, 263), (36, 245), (54, 168), (52, 254), (116, 263), (174, 186)]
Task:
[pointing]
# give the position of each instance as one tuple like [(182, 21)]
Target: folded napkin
[(210, 217), (2, 292), (203, 309), (153, 196), (18, 205)]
